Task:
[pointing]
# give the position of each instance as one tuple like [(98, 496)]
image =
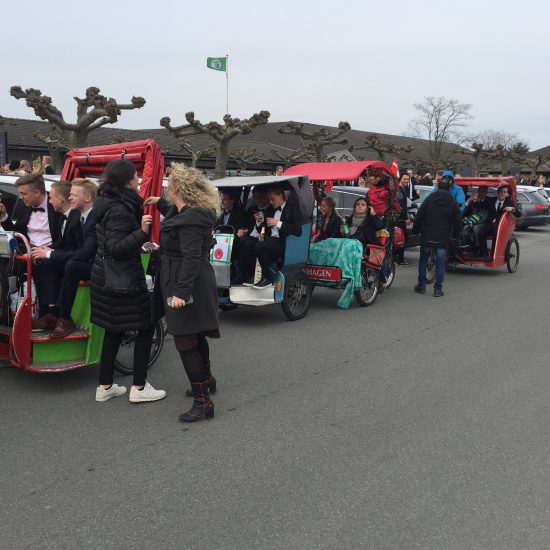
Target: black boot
[(210, 382), (203, 406)]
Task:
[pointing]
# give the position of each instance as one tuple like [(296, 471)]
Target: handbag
[(119, 277)]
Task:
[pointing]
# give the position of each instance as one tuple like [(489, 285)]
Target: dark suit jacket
[(251, 220), (22, 215), (48, 170), (290, 220), (494, 216), (71, 239), (86, 234), (237, 218)]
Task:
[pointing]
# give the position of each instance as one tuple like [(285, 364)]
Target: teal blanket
[(345, 254)]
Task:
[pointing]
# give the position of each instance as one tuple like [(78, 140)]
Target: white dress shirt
[(38, 228), (277, 216)]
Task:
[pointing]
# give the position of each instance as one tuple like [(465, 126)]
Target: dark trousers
[(142, 352), (40, 277), (62, 294), (268, 251), (248, 256), (482, 231)]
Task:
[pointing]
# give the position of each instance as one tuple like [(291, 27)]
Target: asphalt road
[(415, 423)]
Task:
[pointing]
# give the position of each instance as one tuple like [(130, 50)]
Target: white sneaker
[(114, 391), (148, 393)]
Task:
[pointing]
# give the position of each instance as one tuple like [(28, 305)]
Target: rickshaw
[(503, 247), (324, 176), (35, 351), (292, 287)]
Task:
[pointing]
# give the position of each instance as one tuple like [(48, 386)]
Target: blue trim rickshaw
[(292, 287)]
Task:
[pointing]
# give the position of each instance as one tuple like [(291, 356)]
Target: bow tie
[(39, 209), (278, 209), (64, 217)]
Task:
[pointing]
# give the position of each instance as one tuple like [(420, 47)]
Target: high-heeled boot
[(203, 406), (210, 381)]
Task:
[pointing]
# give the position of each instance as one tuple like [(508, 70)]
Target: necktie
[(82, 220), (39, 209)]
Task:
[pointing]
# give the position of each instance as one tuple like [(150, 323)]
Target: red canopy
[(336, 171), (144, 155)]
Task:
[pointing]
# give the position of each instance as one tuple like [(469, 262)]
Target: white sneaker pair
[(148, 393)]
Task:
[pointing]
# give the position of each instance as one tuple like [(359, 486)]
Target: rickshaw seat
[(297, 249)]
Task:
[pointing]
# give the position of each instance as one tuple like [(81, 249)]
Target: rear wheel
[(388, 281), (297, 296), (430, 267), (366, 295), (511, 255), (124, 362)]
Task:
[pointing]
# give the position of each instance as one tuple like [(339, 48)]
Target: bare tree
[(535, 162), (440, 120), (318, 139), (93, 112), (374, 142), (222, 134), (196, 154), (244, 156), (291, 156)]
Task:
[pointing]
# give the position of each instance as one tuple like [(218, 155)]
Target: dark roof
[(265, 139)]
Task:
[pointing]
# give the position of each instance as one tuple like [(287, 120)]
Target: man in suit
[(71, 265), (282, 219), (234, 215), (46, 162), (249, 234), (502, 204), (36, 218)]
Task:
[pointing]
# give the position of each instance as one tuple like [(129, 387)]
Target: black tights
[(142, 351), (196, 361)]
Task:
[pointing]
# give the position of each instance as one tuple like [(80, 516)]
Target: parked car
[(535, 209)]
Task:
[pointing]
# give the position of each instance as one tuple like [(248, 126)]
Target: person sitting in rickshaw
[(478, 209), (249, 234), (282, 219), (503, 203), (378, 195), (330, 224), (364, 223)]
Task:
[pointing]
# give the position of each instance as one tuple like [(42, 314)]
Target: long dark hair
[(116, 176)]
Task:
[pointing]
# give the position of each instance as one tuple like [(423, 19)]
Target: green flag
[(217, 63)]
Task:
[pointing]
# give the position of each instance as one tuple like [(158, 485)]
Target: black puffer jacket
[(119, 236), (185, 242), (438, 219)]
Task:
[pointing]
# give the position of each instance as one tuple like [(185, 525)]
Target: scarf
[(356, 221)]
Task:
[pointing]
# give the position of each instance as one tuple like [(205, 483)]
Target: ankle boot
[(210, 382), (203, 406)]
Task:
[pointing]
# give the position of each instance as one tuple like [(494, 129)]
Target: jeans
[(440, 257)]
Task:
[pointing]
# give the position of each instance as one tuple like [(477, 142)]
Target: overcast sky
[(311, 61)]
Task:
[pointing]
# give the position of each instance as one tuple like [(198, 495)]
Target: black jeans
[(142, 352)]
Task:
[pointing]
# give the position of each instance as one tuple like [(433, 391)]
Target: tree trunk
[(222, 156), (475, 165)]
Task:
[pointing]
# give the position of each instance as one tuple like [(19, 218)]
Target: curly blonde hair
[(193, 187)]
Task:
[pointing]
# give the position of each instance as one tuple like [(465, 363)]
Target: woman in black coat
[(122, 229), (187, 279), (364, 223)]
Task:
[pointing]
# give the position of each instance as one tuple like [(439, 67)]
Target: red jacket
[(378, 199)]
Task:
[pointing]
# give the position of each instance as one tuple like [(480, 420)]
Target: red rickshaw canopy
[(336, 171)]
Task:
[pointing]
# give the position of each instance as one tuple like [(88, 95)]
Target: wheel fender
[(279, 292)]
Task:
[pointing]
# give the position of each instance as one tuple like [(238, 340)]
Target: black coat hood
[(128, 197)]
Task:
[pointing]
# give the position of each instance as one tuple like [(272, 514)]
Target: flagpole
[(227, 84)]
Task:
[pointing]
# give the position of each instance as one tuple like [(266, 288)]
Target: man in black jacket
[(234, 215), (69, 264), (282, 218), (437, 219), (35, 218), (249, 234), (502, 204)]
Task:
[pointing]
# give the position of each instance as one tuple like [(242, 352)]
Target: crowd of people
[(79, 231), (16, 167)]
